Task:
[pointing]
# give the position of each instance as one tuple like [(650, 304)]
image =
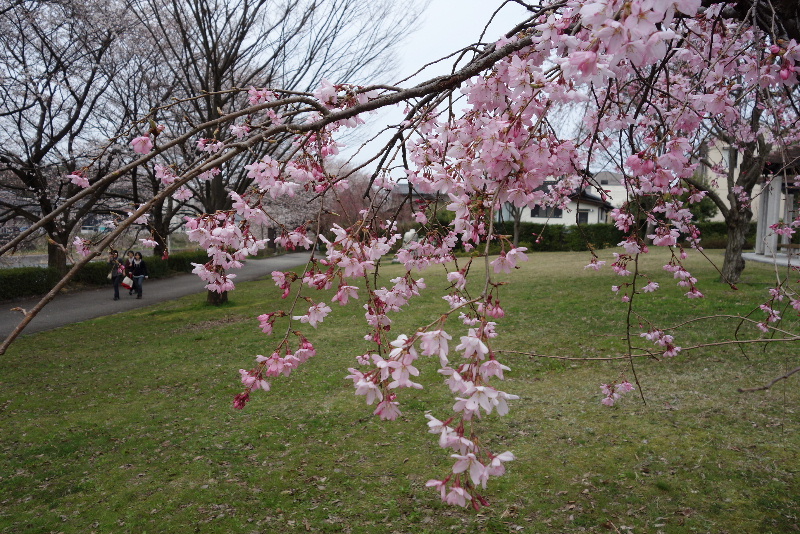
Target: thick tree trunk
[(738, 224), (159, 249), (216, 299), (57, 257)]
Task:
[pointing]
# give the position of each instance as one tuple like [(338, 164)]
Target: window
[(546, 212), (583, 216)]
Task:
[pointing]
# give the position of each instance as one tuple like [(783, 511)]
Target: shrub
[(559, 238), (94, 273), (715, 235), (31, 281), (26, 281), (182, 261)]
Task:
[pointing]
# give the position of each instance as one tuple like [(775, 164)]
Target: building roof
[(610, 178), (585, 197)]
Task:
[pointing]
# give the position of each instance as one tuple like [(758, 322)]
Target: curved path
[(83, 305)]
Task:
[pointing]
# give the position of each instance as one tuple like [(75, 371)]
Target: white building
[(585, 207), (611, 184)]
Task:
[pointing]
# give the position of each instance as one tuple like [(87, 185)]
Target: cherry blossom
[(82, 246), (315, 315), (142, 144), (78, 179)]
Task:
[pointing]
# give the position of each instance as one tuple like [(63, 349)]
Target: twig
[(774, 381)]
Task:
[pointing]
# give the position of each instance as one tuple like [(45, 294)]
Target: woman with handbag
[(138, 272), (128, 262), (117, 271)]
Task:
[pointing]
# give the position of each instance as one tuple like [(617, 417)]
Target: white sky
[(446, 26)]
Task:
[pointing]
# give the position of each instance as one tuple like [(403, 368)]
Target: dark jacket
[(138, 270)]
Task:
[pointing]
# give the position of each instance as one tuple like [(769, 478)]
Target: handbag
[(127, 283), (110, 273)]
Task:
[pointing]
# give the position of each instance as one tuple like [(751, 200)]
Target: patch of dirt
[(205, 325)]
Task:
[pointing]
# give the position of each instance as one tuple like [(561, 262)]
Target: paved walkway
[(91, 303), (778, 259)]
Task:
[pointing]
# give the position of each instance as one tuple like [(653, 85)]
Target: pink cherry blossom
[(435, 343), (471, 344), (183, 193), (387, 410), (142, 144), (82, 246), (78, 179), (469, 462), (345, 293), (315, 315)]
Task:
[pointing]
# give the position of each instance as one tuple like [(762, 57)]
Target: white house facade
[(585, 207)]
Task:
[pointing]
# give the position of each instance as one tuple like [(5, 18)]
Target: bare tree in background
[(75, 74), (57, 60), (209, 47)]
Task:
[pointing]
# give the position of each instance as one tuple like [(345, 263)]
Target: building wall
[(587, 212), (610, 184)]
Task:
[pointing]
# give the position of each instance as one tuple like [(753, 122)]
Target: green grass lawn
[(125, 423)]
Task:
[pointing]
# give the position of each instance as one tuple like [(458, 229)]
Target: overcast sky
[(446, 26)]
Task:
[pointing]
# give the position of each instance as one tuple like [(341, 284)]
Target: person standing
[(117, 271), (138, 272), (128, 263)]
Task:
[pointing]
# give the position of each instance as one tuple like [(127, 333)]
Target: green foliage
[(704, 211), (94, 273), (559, 238), (714, 235), (180, 262), (25, 281)]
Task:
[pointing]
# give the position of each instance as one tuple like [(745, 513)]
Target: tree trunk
[(738, 224), (160, 228), (216, 299), (57, 257)]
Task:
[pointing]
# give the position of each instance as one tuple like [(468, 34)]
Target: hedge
[(26, 281), (560, 238), (715, 235)]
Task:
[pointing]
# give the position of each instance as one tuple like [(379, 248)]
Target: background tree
[(749, 137), (209, 47), (58, 59)]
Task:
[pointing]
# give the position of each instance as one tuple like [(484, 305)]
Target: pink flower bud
[(142, 144)]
